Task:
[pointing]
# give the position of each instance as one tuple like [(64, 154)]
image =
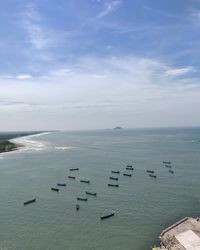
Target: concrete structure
[(183, 235)]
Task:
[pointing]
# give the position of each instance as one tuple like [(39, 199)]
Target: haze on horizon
[(99, 63)]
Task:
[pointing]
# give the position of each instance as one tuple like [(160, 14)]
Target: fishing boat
[(90, 193), (167, 162), (85, 181), (55, 189), (107, 216), (115, 172), (81, 199), (61, 184), (30, 201), (153, 175), (150, 171), (113, 185), (171, 171), (77, 207), (168, 166), (71, 177), (129, 168), (74, 169), (113, 178), (127, 174)]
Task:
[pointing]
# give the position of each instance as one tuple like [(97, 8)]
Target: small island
[(118, 127)]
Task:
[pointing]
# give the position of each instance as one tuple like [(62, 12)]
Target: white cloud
[(179, 71), (23, 77), (109, 7), (94, 92)]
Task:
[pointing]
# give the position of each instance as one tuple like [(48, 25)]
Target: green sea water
[(143, 206)]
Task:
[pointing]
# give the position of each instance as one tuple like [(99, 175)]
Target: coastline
[(14, 142)]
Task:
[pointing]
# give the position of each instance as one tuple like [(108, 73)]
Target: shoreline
[(9, 143)]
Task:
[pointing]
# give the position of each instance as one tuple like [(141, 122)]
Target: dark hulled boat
[(153, 175), (168, 166), (167, 162), (107, 216), (74, 169), (127, 174), (90, 193), (115, 172), (77, 207), (150, 171), (113, 185), (30, 201), (81, 199), (129, 168), (171, 171), (71, 177), (114, 178), (55, 189), (85, 181), (61, 184)]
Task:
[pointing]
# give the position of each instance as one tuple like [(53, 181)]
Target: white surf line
[(29, 144)]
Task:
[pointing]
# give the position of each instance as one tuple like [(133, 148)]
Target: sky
[(93, 64)]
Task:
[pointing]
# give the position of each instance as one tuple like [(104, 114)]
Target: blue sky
[(81, 64)]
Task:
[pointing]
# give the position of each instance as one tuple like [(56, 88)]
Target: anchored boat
[(74, 169), (85, 181), (77, 207), (171, 171), (55, 189), (90, 193), (107, 216), (129, 168), (168, 166), (113, 185), (167, 162), (71, 177), (153, 175), (81, 199), (30, 201), (113, 178), (115, 172), (127, 174), (61, 184), (150, 171)]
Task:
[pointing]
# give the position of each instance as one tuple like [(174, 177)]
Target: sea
[(143, 206)]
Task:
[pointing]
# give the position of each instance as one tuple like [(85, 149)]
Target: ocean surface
[(143, 206)]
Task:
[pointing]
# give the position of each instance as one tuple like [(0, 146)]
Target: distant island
[(118, 127), (7, 146)]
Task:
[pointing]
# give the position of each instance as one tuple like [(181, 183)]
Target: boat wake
[(62, 148)]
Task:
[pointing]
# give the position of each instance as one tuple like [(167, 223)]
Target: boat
[(153, 175), (127, 174), (150, 171), (85, 181), (30, 201), (129, 168), (167, 162), (74, 169), (61, 184), (71, 177), (115, 172), (90, 193), (168, 166), (81, 199), (77, 207), (107, 216), (113, 185), (171, 171), (113, 178), (55, 189)]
